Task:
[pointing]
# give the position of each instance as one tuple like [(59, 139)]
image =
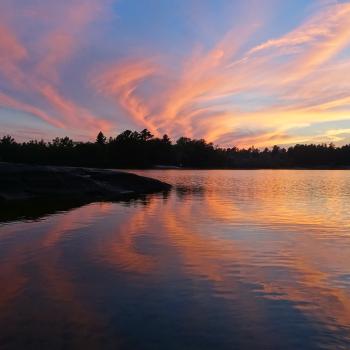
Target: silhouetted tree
[(132, 149), (145, 135), (101, 139)]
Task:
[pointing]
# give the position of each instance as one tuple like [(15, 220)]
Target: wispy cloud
[(289, 80), (297, 71), (31, 69)]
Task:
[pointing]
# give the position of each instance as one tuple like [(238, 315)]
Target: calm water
[(226, 260)]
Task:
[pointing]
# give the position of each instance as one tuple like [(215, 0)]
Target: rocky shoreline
[(26, 182)]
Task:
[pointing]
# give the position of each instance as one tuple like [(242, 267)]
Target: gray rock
[(23, 182)]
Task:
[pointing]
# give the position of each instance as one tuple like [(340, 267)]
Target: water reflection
[(193, 191), (37, 209), (229, 259)]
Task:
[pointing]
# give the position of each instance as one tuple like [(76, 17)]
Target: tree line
[(132, 149)]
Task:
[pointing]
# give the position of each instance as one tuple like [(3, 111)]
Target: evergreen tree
[(101, 138)]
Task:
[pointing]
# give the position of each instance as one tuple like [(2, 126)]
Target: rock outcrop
[(23, 182)]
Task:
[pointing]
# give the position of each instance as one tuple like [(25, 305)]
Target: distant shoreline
[(142, 150), (242, 168)]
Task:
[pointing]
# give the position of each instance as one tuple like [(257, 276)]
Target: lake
[(226, 260)]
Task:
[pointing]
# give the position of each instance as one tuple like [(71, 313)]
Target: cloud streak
[(203, 98), (32, 70), (236, 90)]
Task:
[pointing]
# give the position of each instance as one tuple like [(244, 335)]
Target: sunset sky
[(252, 72)]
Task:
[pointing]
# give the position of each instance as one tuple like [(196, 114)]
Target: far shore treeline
[(132, 149)]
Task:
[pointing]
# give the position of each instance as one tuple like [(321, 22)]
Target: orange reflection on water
[(119, 249), (42, 253), (308, 237), (277, 236)]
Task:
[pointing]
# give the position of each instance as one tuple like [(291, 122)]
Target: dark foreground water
[(226, 260)]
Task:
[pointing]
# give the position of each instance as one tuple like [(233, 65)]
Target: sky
[(244, 73)]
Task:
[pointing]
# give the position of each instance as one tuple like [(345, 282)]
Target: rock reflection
[(37, 209)]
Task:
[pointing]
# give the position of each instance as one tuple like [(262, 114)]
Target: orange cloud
[(202, 99), (319, 40), (271, 88), (121, 81), (53, 48), (73, 114), (9, 102)]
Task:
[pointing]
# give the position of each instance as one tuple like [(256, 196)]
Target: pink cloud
[(11, 53), (34, 70), (196, 101), (292, 79)]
